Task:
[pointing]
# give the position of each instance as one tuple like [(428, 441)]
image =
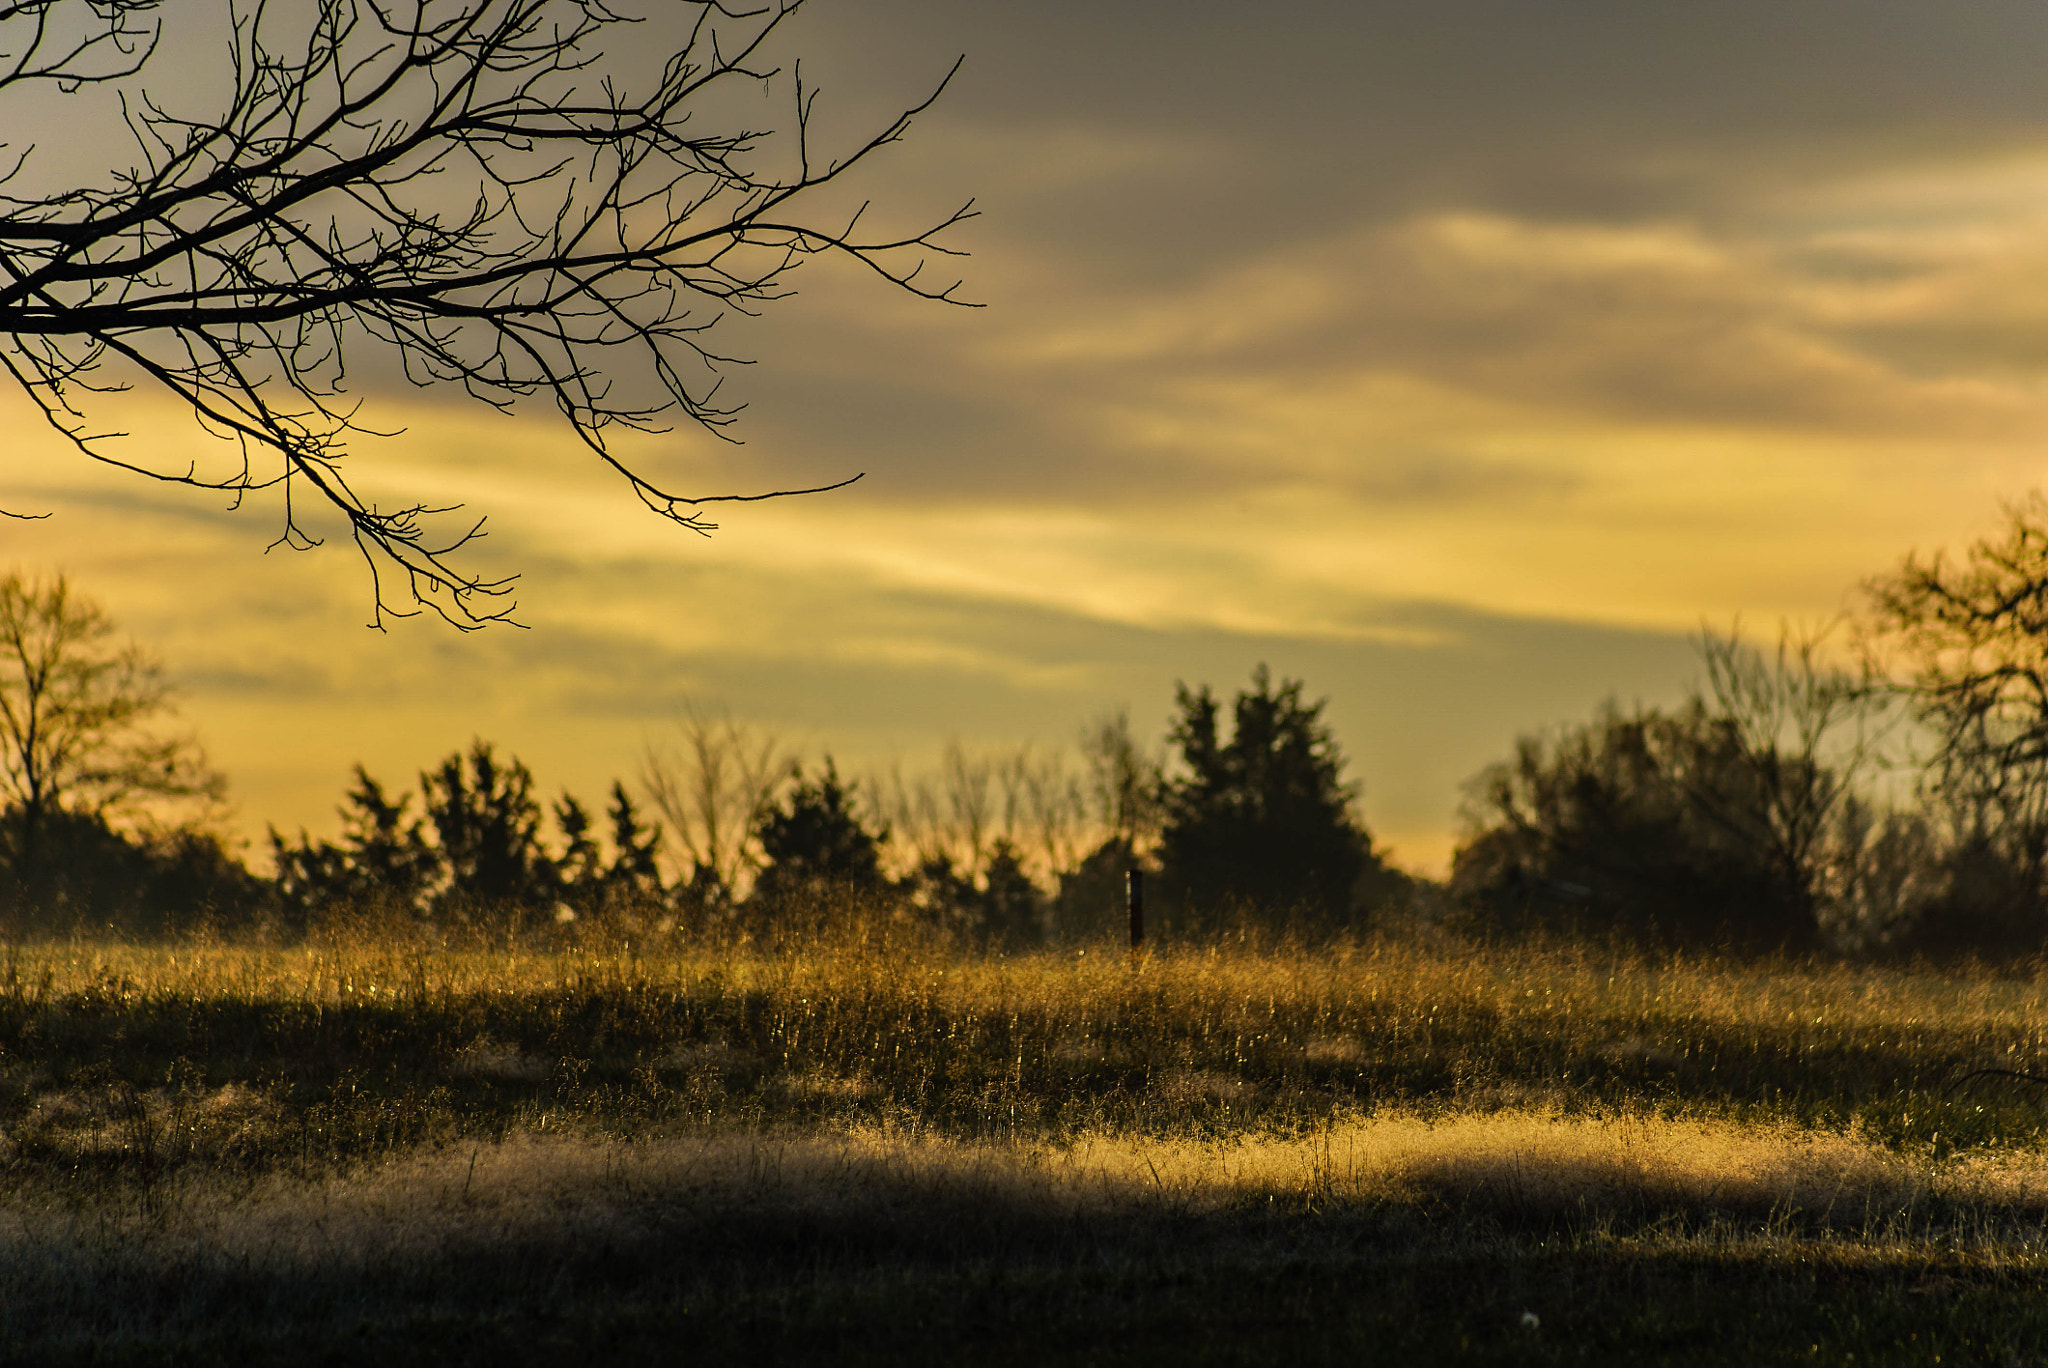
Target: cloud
[(1458, 358)]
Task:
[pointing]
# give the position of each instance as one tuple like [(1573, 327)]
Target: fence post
[(1134, 903)]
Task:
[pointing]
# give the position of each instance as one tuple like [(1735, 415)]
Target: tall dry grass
[(814, 1139), (360, 1049)]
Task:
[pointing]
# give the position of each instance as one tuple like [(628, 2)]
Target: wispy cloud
[(1458, 358)]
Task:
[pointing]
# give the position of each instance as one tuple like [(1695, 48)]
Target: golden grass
[(1720, 1181), (372, 1140), (1042, 1046)]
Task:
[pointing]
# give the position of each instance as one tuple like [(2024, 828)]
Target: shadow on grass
[(1395, 1241)]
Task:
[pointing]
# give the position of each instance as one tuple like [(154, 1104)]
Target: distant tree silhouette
[(79, 717), (485, 855), (1089, 901), (100, 879), (580, 867), (1973, 634), (629, 884), (1603, 828), (384, 866), (944, 895), (1009, 906), (634, 874), (715, 782), (488, 826), (1122, 795), (1002, 909), (1260, 824), (1802, 734), (816, 843), (1124, 782)]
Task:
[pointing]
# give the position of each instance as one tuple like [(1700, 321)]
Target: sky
[(1460, 360)]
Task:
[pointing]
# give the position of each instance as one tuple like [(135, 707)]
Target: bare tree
[(76, 714), (715, 788), (964, 780), (479, 191), (1807, 733), (1049, 809), (938, 817), (1974, 635), (1125, 782), (1022, 798)]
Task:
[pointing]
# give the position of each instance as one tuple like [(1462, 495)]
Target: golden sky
[(1459, 359)]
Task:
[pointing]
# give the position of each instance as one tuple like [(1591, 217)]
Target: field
[(867, 1149)]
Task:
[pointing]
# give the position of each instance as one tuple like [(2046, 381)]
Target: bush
[(1636, 825), (88, 876)]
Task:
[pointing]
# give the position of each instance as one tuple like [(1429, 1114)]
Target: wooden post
[(1134, 903)]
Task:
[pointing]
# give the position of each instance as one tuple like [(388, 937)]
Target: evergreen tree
[(818, 843), (941, 894), (1089, 902), (581, 867), (1260, 824), (1010, 905), (634, 871), (384, 864), (388, 850), (489, 829)]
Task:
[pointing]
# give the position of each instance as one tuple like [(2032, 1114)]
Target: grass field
[(871, 1150)]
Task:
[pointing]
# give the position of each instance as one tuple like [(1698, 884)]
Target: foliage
[(487, 826), (385, 868), (620, 892), (95, 878), (1010, 909), (1090, 903), (579, 871), (1002, 910), (1736, 819), (1261, 822), (1603, 829), (476, 856), (634, 875), (817, 843)]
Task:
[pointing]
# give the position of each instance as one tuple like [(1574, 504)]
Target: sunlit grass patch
[(361, 1050), (1398, 1231), (860, 1144), (1566, 1174)]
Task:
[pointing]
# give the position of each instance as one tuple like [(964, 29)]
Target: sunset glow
[(1458, 362)]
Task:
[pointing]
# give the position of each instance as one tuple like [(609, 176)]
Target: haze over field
[(1459, 359)]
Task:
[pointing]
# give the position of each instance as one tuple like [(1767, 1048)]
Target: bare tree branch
[(1974, 635), (458, 185)]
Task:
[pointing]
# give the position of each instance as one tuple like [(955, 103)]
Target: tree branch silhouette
[(460, 185)]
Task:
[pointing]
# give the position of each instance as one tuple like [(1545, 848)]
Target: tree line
[(111, 823), (1880, 788), (1877, 789), (1258, 826)]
